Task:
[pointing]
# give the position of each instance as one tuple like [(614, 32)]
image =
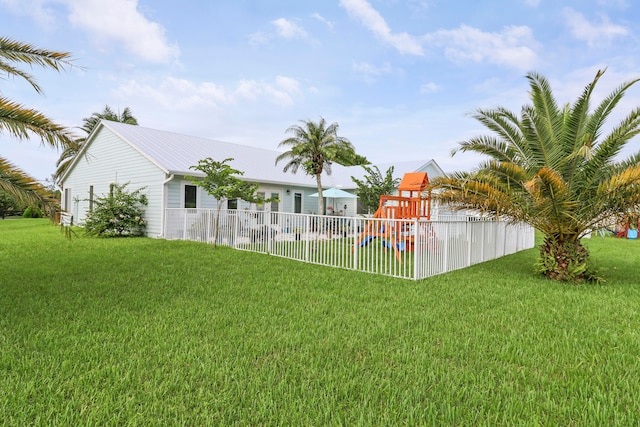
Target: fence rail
[(410, 249)]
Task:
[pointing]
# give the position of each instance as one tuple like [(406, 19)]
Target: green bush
[(118, 214), (32, 212)]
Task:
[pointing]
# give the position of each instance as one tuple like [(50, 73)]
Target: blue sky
[(400, 76)]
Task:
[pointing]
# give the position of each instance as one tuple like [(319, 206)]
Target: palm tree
[(21, 122), (554, 168), (314, 147), (89, 124)]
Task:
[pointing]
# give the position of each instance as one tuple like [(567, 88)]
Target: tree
[(375, 185), (8, 204), (554, 168), (89, 124), (21, 122), (314, 147), (221, 181)]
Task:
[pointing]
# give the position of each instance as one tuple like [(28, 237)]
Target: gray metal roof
[(176, 153)]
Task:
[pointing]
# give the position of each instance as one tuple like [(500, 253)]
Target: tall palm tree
[(21, 122), (314, 147), (555, 168), (88, 125)]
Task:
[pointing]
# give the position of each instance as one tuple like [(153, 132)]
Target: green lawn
[(153, 332)]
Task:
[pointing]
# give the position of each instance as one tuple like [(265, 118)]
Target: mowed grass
[(153, 332)]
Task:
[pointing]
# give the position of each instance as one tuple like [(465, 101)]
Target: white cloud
[(113, 21), (258, 38), (288, 84), (288, 29), (370, 18), (120, 21), (371, 72), (181, 94), (177, 94), (513, 47), (594, 33), (322, 19), (283, 28), (280, 92), (38, 10), (429, 88)]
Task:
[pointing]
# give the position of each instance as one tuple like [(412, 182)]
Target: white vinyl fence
[(410, 249)]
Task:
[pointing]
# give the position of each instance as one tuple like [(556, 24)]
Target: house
[(160, 161)]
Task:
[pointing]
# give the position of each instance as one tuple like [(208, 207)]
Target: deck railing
[(410, 249)]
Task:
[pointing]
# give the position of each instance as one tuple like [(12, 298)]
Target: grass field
[(153, 332)]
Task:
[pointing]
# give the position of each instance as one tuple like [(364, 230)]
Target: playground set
[(630, 226), (411, 203)]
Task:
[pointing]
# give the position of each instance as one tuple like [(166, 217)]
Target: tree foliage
[(90, 123), (222, 182), (553, 167), (22, 122), (314, 147), (375, 185), (118, 214)]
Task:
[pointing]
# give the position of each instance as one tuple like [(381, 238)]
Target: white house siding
[(111, 160), (174, 193)]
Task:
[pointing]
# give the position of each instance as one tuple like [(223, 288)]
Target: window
[(91, 198), (232, 204), (297, 202), (190, 194), (275, 205)]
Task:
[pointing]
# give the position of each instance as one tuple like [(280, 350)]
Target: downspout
[(164, 202)]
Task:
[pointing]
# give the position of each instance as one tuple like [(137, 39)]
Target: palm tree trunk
[(320, 197), (564, 259)]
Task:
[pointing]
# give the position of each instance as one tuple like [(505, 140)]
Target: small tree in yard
[(375, 185), (221, 181), (118, 214)]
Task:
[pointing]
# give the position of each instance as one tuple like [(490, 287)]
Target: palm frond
[(24, 188), (21, 122), (598, 167), (13, 51)]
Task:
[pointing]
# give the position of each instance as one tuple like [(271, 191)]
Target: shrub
[(118, 214), (32, 212)]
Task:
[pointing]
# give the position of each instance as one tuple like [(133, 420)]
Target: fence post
[(184, 225), (208, 231), (269, 215), (306, 239), (236, 229), (504, 245), (470, 233), (445, 249), (356, 225), (417, 251)]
